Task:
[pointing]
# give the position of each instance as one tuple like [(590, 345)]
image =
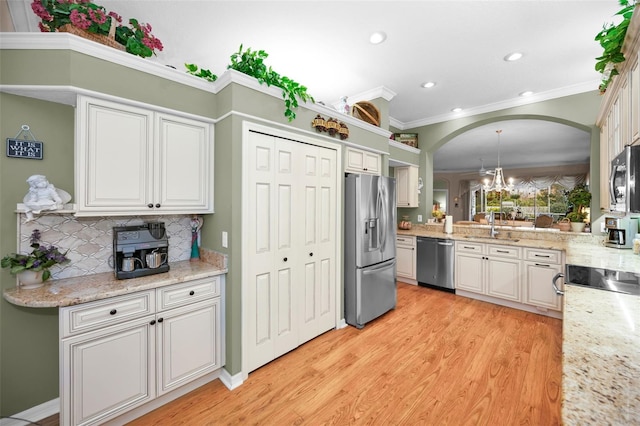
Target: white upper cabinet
[(407, 186), (132, 160), (360, 161)]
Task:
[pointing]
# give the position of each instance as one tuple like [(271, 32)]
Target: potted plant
[(580, 198), (83, 16), (33, 269)]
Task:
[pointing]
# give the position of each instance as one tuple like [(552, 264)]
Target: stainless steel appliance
[(435, 263), (620, 231), (601, 279), (140, 250), (623, 181), (370, 251)]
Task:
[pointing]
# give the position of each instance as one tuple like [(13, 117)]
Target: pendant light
[(498, 183)]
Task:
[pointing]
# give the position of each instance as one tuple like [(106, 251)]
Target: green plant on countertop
[(611, 39), (251, 63), (41, 258), (580, 198)]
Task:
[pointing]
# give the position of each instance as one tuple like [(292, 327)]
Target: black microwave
[(623, 181)]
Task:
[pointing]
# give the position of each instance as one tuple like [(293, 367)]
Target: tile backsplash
[(89, 240)]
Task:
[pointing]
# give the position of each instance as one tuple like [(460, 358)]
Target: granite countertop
[(600, 357), (580, 249), (87, 288)]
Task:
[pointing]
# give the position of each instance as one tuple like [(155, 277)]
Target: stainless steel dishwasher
[(435, 263)]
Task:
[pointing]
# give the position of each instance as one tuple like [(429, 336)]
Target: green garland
[(611, 39), (251, 63)]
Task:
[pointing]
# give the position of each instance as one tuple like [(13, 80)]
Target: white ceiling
[(458, 44)]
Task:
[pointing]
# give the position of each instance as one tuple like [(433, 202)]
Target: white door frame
[(246, 128)]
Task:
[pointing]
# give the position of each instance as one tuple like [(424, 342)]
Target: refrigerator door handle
[(380, 267)]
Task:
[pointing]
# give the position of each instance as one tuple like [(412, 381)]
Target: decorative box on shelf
[(410, 139)]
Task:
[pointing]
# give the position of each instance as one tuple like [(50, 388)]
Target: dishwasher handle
[(555, 286)]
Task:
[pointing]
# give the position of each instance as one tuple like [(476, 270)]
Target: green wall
[(29, 337)]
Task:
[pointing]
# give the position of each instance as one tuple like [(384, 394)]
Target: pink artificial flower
[(40, 10), (97, 16), (115, 16), (152, 43), (43, 27), (79, 20)]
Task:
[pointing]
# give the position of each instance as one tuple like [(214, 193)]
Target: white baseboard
[(33, 414), (231, 382)]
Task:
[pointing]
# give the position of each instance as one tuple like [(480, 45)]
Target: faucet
[(493, 233)]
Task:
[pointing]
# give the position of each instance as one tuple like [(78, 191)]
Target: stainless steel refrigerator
[(370, 248)]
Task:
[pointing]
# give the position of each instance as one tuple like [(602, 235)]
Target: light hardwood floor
[(437, 359)]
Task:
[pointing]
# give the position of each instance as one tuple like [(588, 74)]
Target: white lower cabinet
[(540, 268), (488, 269), (117, 354), (516, 277), (406, 257)]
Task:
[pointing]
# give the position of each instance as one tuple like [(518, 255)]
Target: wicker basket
[(366, 111), (563, 225), (98, 38)]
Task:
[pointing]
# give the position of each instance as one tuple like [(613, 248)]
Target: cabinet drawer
[(406, 241), (546, 256), (105, 313), (469, 247), (189, 292), (504, 251)]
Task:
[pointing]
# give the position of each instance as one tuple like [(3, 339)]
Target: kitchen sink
[(486, 237)]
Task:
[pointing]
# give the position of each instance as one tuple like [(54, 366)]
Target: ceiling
[(460, 45)]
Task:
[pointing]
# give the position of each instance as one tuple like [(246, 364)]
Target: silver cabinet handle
[(555, 287)]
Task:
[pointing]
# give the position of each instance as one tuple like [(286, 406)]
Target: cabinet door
[(184, 157), (634, 91), (114, 152), (538, 289), (188, 343), (406, 262), (503, 278), (407, 186), (317, 242), (360, 161), (107, 372), (470, 272)]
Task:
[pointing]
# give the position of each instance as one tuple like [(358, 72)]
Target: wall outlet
[(225, 239), (419, 218)]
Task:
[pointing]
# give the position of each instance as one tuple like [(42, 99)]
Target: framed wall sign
[(24, 148), (20, 148)]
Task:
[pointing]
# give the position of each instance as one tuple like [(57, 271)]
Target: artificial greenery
[(193, 69), (611, 39), (251, 62)]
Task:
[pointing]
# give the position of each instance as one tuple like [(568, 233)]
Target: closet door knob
[(311, 254), (285, 259), (112, 312), (191, 293)]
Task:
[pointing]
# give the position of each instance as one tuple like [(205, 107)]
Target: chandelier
[(498, 183)]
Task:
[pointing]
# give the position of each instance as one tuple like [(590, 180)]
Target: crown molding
[(575, 89)]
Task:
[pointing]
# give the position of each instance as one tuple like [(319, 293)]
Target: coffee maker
[(140, 250), (620, 231)]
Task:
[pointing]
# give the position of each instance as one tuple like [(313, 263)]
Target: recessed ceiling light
[(378, 37), (457, 109), (428, 84), (513, 56), (526, 93)]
